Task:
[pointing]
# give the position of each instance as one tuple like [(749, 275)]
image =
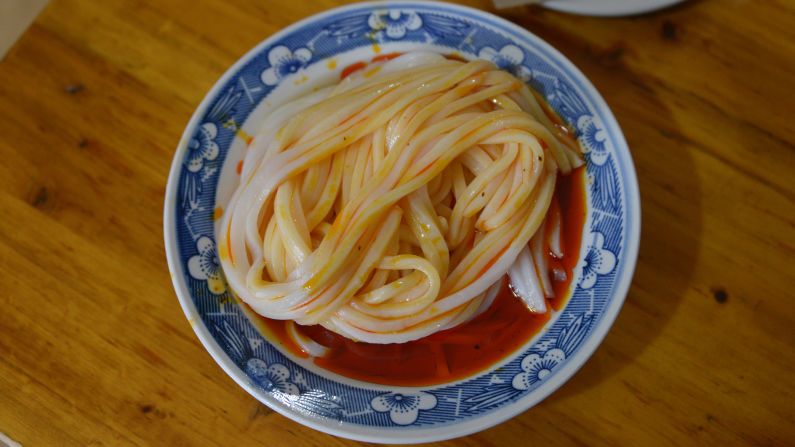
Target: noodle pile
[(386, 208)]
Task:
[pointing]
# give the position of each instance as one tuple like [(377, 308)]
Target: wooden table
[(94, 348)]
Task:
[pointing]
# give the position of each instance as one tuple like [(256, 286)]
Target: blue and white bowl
[(313, 52)]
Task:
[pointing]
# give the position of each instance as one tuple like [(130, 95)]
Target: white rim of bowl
[(609, 8)]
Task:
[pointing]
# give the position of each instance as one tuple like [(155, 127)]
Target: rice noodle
[(306, 344), (389, 207), (555, 231), (525, 283), (540, 261)]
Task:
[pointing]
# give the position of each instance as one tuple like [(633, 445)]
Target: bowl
[(609, 8), (313, 52)]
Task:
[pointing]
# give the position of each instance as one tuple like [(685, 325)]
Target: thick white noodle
[(525, 283)]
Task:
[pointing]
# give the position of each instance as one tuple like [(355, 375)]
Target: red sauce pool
[(463, 350)]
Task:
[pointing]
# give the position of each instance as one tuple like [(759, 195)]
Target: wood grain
[(95, 350)]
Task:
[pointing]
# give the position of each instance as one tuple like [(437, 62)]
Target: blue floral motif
[(598, 260), (284, 63), (273, 377), (394, 23), (206, 267), (594, 138), (536, 368), (565, 100), (276, 377), (600, 174), (510, 58), (403, 408), (202, 147)]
